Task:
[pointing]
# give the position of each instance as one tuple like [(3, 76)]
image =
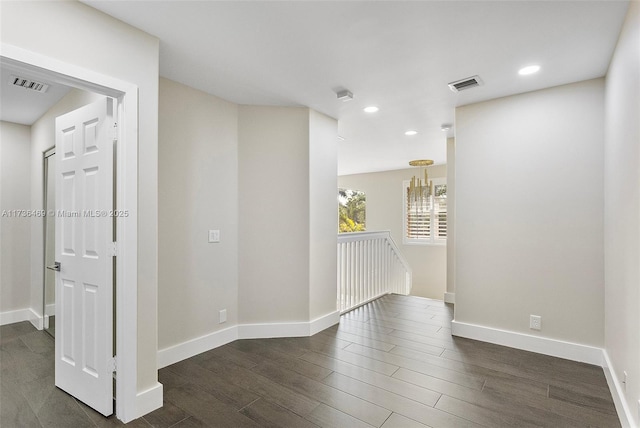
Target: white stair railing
[(369, 266)]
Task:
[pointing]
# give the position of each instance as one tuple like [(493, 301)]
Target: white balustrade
[(369, 265)]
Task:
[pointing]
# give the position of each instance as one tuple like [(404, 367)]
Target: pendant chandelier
[(420, 188)]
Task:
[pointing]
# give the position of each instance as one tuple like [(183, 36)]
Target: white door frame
[(126, 277)]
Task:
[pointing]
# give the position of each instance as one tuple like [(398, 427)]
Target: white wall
[(43, 138), (287, 247), (273, 214), (198, 191), (266, 178), (451, 220), (384, 212), (79, 35), (529, 212), (323, 222), (15, 232), (622, 210)]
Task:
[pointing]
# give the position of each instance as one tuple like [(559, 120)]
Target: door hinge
[(112, 250), (114, 131), (112, 365)]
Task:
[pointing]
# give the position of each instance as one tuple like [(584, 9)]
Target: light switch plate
[(214, 236)]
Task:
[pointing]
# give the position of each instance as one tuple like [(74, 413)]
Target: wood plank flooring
[(391, 363)]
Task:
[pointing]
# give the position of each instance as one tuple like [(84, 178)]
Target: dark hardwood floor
[(390, 363)]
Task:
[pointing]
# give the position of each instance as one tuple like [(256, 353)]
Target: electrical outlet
[(223, 316), (535, 322)]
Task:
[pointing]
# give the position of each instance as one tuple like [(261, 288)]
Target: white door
[(84, 236)]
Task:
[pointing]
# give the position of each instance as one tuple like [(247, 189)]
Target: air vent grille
[(32, 85), (468, 83)]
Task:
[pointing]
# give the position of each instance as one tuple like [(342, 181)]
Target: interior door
[(84, 235)]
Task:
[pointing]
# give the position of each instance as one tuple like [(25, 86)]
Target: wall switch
[(214, 236), (535, 322), (223, 316)]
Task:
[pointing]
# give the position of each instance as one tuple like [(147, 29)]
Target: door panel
[(84, 231)]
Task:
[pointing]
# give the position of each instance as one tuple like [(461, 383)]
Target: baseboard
[(269, 330), (541, 345), (324, 322), (298, 329), (19, 315), (36, 319), (196, 346), (617, 392), (450, 297), (50, 309), (190, 348), (149, 400)]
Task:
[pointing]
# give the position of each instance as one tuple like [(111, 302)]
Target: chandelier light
[(420, 188)]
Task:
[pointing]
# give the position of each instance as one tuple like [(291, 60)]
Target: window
[(351, 211), (425, 224)]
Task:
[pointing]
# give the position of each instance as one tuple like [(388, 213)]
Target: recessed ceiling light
[(445, 127), (530, 69), (371, 109), (411, 132), (340, 137)]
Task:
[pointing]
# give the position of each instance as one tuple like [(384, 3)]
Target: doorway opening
[(126, 94)]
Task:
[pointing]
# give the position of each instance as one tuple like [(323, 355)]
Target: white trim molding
[(36, 319), (270, 330), (541, 345), (190, 348), (323, 322), (149, 400), (450, 298), (297, 329), (19, 315), (617, 392)]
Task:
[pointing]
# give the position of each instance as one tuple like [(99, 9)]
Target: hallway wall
[(287, 247), (198, 191), (15, 232), (529, 213), (622, 213), (247, 172)]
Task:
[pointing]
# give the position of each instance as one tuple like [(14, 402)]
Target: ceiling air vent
[(468, 83), (29, 84)]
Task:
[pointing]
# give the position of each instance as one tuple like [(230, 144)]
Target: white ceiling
[(23, 106), (398, 55)]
